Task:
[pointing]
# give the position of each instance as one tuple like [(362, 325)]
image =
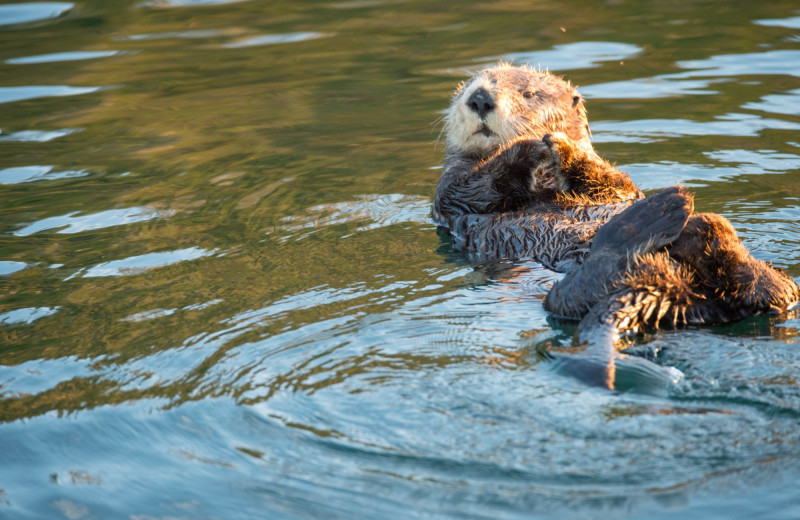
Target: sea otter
[(521, 180), (520, 170)]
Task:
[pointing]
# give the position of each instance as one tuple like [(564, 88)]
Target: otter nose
[(481, 102)]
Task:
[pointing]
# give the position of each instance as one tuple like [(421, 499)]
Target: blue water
[(222, 296)]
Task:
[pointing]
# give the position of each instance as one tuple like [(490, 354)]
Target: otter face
[(502, 104)]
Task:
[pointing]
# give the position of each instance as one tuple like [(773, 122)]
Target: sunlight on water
[(272, 39), (74, 223), (10, 94), (142, 263), (36, 173), (651, 130), (788, 103), (26, 316), (61, 56), (39, 136), (374, 211), (32, 12), (579, 55), (7, 268)]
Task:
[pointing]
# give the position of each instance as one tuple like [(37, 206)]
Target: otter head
[(505, 103)]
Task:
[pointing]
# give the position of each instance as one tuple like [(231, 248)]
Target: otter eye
[(527, 94)]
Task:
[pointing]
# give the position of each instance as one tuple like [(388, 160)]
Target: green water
[(221, 294)]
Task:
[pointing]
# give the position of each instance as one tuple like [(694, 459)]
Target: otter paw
[(541, 164), (567, 149)]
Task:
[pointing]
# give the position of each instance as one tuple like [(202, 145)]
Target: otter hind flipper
[(645, 226), (648, 224)]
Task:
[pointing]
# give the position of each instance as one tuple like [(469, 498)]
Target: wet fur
[(530, 155), (659, 265), (522, 181)]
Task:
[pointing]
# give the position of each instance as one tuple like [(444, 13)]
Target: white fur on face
[(529, 103), (464, 126)]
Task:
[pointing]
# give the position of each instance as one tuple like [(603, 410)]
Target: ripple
[(649, 88), (40, 375), (273, 39), (303, 300), (142, 263), (781, 62), (37, 136), (188, 35), (578, 55), (8, 267), (652, 130), (149, 315), (32, 11), (77, 224), (378, 210), (27, 315), (788, 103), (11, 94), (747, 162), (716, 68), (22, 174), (758, 373), (189, 3), (757, 161), (62, 56), (201, 306), (655, 175), (362, 4), (791, 23)]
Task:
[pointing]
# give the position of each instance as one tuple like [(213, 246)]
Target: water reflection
[(62, 56), (651, 130), (578, 55), (650, 88), (788, 103), (716, 68), (11, 94), (8, 267), (26, 316), (188, 3), (32, 12), (37, 136), (36, 173), (790, 23), (757, 161), (141, 263), (199, 34), (758, 63), (375, 211), (272, 39), (73, 222)]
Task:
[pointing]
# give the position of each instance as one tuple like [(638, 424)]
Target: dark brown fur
[(521, 180), (657, 265), (536, 160)]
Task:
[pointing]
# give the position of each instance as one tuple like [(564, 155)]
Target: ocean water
[(222, 295)]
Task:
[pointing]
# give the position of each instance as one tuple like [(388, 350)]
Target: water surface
[(221, 294)]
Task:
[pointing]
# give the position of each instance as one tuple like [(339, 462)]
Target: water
[(221, 294)]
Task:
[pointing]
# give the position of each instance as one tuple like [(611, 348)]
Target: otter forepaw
[(542, 164), (530, 164), (562, 145), (567, 152)]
